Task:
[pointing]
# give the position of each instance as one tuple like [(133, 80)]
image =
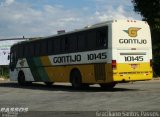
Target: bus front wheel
[(21, 79), (107, 85), (76, 79)]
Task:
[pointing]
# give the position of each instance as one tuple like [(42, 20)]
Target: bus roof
[(105, 23)]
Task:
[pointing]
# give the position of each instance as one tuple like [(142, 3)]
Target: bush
[(4, 72)]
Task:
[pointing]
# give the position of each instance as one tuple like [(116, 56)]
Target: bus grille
[(99, 70)]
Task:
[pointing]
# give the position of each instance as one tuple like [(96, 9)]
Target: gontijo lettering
[(132, 41), (67, 59)]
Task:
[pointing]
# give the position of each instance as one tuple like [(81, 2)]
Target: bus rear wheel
[(76, 79), (107, 85), (21, 79)]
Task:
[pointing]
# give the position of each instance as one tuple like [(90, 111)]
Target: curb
[(156, 78)]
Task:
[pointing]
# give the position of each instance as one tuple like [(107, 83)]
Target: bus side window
[(24, 51), (57, 45), (66, 44), (15, 54), (27, 50), (102, 38), (81, 40), (37, 48), (50, 46), (20, 49), (63, 46), (91, 40), (31, 50), (72, 47), (43, 48)]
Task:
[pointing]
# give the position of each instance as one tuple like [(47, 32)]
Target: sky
[(37, 18)]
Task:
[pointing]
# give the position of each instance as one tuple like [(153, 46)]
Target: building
[(5, 45)]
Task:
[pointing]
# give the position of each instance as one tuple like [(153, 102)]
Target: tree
[(150, 11)]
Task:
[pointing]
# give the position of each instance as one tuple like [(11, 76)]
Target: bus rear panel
[(131, 51)]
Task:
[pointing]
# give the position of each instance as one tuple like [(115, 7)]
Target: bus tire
[(76, 79), (85, 85), (28, 83), (107, 85), (21, 79)]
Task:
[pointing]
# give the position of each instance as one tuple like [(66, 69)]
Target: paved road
[(139, 96)]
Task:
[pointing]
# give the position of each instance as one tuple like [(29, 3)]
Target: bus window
[(27, 50), (91, 40), (50, 46), (72, 43), (37, 49), (57, 45), (31, 50), (63, 46), (102, 37), (15, 54), (66, 44), (43, 48), (81, 40), (21, 51)]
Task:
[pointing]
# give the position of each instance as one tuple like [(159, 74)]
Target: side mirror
[(8, 57)]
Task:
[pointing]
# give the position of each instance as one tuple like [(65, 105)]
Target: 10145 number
[(98, 56), (133, 58)]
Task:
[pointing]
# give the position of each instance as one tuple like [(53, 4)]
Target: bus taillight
[(114, 64), (150, 62)]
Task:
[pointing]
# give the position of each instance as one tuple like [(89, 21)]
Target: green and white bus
[(106, 53)]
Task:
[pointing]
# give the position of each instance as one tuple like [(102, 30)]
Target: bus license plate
[(134, 66)]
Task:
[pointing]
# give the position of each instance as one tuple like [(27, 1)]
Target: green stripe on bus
[(33, 69), (37, 69), (41, 69)]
